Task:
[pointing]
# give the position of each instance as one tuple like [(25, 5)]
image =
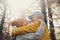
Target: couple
[(36, 30)]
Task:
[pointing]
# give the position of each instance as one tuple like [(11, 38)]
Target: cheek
[(34, 18), (25, 23)]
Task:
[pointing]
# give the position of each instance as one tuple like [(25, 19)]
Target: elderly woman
[(36, 30)]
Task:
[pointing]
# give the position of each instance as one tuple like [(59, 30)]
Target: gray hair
[(37, 13)]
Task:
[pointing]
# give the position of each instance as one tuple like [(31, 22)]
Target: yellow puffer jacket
[(26, 29), (45, 34), (31, 28)]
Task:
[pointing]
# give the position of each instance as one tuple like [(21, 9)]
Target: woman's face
[(35, 18)]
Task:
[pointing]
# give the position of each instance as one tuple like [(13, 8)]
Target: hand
[(11, 29)]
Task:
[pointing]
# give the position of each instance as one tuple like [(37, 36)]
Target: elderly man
[(36, 30)]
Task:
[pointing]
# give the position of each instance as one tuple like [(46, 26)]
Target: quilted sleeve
[(26, 29)]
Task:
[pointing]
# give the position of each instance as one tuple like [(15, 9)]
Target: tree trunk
[(42, 4), (59, 2), (52, 31)]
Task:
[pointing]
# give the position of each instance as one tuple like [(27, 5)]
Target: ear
[(13, 23)]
